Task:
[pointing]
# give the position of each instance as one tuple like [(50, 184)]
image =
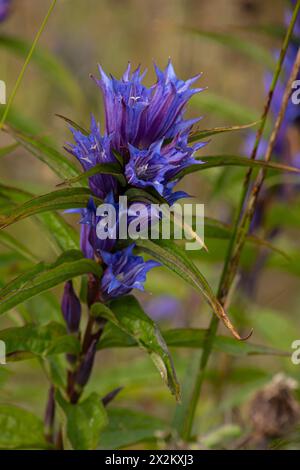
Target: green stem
[(230, 268), (28, 58)]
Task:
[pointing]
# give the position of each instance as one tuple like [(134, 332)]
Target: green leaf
[(73, 124), (48, 63), (198, 134), (190, 338), (33, 340), (238, 44), (194, 338), (8, 149), (10, 242), (20, 429), (23, 122), (209, 102), (175, 258), (43, 277), (127, 427), (56, 227), (127, 314), (215, 229), (276, 31), (58, 163), (112, 169), (84, 421), (234, 160), (222, 436), (61, 199)]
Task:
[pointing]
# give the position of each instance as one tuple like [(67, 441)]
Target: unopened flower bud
[(71, 308)]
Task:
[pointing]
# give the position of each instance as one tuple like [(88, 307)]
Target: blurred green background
[(81, 34)]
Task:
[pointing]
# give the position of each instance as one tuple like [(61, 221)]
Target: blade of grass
[(28, 58)]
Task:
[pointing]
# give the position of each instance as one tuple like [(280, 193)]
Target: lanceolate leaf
[(101, 168), (219, 230), (190, 338), (276, 31), (127, 314), (84, 421), (127, 427), (20, 429), (33, 340), (58, 162), (56, 227), (234, 160), (10, 242), (73, 124), (174, 258), (198, 134), (8, 149), (45, 276), (68, 198), (195, 338)]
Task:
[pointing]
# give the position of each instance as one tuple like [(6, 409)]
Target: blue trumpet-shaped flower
[(124, 272), (158, 165), (180, 155), (147, 167), (90, 150), (90, 244), (139, 115)]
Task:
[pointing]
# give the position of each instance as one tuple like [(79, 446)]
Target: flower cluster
[(146, 129)]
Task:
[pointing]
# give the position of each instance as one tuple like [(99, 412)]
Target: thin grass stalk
[(25, 65), (230, 269)]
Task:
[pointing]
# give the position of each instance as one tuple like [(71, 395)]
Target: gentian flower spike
[(147, 167), (140, 116)]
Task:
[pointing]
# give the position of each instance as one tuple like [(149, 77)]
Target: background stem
[(233, 256)]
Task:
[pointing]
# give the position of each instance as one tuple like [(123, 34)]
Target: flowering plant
[(143, 152)]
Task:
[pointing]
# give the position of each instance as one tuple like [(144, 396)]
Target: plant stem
[(240, 228), (28, 58)]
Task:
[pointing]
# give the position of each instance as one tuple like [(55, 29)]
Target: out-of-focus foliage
[(233, 52)]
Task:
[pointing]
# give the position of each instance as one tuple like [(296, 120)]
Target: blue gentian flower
[(4, 9), (158, 165), (90, 150), (90, 244), (180, 155), (147, 167), (124, 272), (140, 116)]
